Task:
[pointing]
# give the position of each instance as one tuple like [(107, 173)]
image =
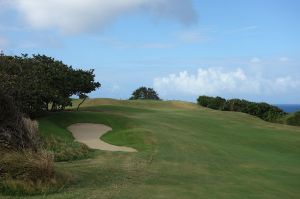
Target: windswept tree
[(83, 84), (144, 93), (41, 83)]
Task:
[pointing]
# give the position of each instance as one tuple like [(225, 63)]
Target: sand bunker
[(90, 134)]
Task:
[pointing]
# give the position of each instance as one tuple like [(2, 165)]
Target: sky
[(182, 48)]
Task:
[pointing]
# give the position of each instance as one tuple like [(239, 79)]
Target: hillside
[(184, 151)]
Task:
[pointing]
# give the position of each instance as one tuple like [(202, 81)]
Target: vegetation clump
[(262, 110), (66, 150), (144, 93), (24, 167), (16, 131), (294, 119)]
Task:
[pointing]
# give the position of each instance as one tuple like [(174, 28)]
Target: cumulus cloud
[(217, 81), (74, 16)]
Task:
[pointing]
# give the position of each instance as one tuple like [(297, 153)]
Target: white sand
[(90, 134)]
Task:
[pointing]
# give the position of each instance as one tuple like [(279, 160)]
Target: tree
[(83, 83), (39, 81), (204, 100), (144, 93)]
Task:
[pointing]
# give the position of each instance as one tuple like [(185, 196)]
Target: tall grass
[(28, 173), (64, 150), (32, 128), (31, 170)]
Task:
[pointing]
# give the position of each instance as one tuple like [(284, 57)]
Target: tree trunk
[(81, 103)]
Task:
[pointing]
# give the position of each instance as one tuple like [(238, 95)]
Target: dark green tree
[(144, 93)]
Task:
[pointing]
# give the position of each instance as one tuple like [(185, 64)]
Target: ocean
[(289, 108)]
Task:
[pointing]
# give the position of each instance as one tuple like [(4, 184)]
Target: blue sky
[(182, 48)]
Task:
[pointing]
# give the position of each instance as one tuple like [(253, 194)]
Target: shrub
[(216, 103), (237, 105), (294, 119), (262, 110)]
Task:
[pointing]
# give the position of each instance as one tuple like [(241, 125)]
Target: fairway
[(184, 151)]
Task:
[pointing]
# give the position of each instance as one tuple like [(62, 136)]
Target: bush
[(262, 110), (294, 119), (216, 103), (237, 105)]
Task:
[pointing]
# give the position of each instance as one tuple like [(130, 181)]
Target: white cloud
[(217, 81), (72, 16)]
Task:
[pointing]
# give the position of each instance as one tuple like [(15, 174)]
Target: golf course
[(183, 151), (149, 99)]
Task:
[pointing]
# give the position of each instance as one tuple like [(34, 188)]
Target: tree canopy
[(144, 93), (41, 83)]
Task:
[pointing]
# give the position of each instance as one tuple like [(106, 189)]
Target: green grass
[(185, 151)]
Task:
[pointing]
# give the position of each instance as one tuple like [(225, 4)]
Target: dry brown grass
[(32, 128)]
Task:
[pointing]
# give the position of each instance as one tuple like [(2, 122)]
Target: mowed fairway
[(184, 151)]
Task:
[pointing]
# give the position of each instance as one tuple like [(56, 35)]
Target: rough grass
[(64, 150), (29, 173), (184, 152), (60, 142)]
